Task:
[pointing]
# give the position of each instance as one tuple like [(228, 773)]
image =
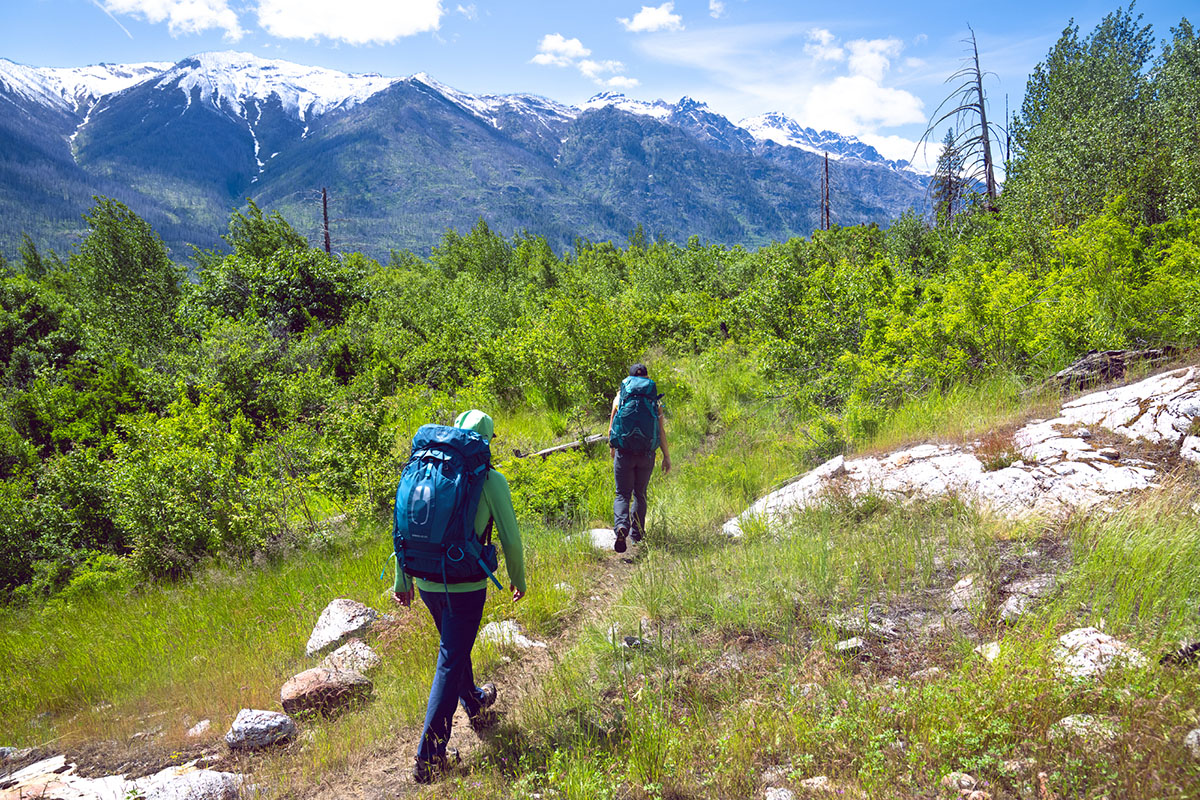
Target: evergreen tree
[(948, 186)]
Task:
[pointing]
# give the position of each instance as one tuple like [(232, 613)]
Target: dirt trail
[(386, 773)]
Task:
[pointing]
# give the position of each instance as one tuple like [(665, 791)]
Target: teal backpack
[(635, 425), (439, 491)]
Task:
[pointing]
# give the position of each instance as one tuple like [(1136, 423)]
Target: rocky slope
[(1089, 455)]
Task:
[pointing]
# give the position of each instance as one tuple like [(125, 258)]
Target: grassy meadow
[(736, 674)]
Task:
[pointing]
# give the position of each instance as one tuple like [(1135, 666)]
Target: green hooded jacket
[(496, 504)]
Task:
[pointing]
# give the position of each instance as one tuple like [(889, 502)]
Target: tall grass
[(230, 638)]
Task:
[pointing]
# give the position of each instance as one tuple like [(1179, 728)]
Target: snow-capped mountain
[(493, 107), (410, 157), (238, 79), (658, 109), (783, 130), (73, 88)]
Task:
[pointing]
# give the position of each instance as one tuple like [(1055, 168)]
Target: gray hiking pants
[(632, 471)]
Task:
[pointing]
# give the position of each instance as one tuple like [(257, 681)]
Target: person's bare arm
[(612, 451), (662, 442)]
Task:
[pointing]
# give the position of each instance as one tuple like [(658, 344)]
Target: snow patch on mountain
[(238, 79), (83, 86), (659, 109), (489, 107), (73, 89), (783, 130)]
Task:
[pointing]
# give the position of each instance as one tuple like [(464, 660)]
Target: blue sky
[(873, 69)]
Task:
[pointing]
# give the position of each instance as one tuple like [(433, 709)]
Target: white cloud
[(594, 69), (350, 21), (716, 9), (558, 51), (871, 58), (857, 104), (898, 148), (821, 46), (651, 19), (555, 50), (470, 12), (621, 82), (182, 16)]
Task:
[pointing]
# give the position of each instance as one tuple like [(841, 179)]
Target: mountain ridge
[(186, 142)]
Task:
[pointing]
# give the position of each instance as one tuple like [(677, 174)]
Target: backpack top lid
[(636, 384)]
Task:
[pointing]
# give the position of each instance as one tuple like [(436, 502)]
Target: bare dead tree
[(973, 140)]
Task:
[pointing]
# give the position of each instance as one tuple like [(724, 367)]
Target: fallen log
[(575, 445)]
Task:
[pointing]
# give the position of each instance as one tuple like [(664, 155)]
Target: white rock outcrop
[(341, 620), (56, 778), (1060, 467)]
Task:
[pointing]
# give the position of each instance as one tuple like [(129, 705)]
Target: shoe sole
[(619, 544)]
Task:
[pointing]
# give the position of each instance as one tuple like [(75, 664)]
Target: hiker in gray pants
[(632, 470)]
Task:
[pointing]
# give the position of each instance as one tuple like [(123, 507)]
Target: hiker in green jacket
[(457, 610)]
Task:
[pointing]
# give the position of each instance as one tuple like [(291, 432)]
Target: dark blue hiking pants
[(453, 679), (632, 471)]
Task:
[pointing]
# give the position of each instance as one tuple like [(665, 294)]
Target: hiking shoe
[(619, 544), (430, 771), (636, 535), (484, 718)]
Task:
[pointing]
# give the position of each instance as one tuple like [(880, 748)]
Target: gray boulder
[(354, 656), (254, 730), (323, 690), (202, 784), (1192, 743), (340, 620), (1089, 730)]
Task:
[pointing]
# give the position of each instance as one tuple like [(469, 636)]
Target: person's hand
[(666, 463), (517, 593), (403, 598), (612, 451)]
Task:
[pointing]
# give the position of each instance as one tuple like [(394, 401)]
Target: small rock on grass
[(1089, 730), (199, 729), (201, 784), (1192, 743), (507, 632), (323, 690), (924, 675), (959, 782), (255, 729), (990, 651), (340, 620), (778, 793), (819, 784), (851, 647), (967, 593), (773, 776), (354, 656), (1088, 653)]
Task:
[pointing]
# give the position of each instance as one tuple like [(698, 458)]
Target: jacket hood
[(476, 420)]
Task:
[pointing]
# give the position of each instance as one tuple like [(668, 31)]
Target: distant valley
[(405, 159)]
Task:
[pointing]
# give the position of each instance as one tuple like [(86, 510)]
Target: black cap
[(639, 370)]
